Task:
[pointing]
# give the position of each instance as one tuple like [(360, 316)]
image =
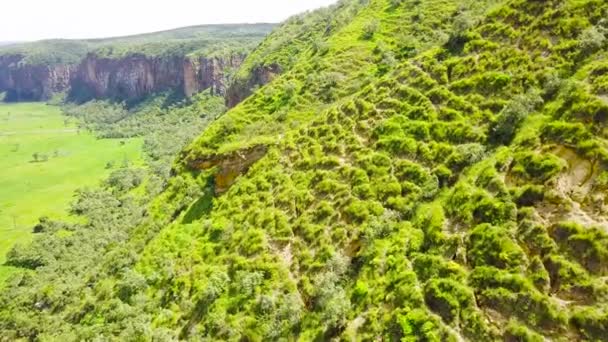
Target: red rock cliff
[(31, 82), (136, 76)]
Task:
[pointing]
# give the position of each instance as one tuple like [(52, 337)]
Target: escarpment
[(32, 82), (182, 61), (129, 78), (136, 76), (209, 73)]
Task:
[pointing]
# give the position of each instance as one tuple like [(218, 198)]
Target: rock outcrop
[(129, 78), (209, 73), (229, 166), (136, 76), (31, 82), (240, 89)]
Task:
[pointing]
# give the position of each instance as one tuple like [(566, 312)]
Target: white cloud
[(42, 19)]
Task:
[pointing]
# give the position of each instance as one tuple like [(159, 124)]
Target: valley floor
[(44, 158)]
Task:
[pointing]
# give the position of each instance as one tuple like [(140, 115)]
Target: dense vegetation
[(44, 158), (208, 39), (419, 170)]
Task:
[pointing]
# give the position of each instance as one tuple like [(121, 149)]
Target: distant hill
[(184, 60), (187, 40), (7, 43)]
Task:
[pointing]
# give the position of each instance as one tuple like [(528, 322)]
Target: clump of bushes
[(512, 116), (419, 324), (537, 167), (589, 245), (592, 322), (370, 29), (494, 246)]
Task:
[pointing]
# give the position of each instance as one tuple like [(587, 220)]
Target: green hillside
[(414, 170)]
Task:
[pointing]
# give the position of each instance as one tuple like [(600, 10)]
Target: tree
[(463, 21), (592, 39), (370, 29), (511, 117)]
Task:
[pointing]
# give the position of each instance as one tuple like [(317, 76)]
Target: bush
[(358, 210), (448, 298), (418, 324), (370, 29), (538, 167), (511, 117), (493, 246), (514, 295), (589, 245), (125, 179), (569, 133), (518, 332), (433, 266), (529, 195), (591, 322), (462, 23), (592, 39), (396, 3)]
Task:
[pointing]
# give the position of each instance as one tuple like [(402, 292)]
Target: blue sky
[(42, 19)]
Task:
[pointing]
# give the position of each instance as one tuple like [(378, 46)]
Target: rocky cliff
[(136, 76), (30, 82), (241, 88), (129, 78), (209, 73)]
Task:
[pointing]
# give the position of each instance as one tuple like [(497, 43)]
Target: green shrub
[(591, 322), (448, 298), (419, 324), (511, 117), (493, 246), (358, 211), (565, 132), (535, 237), (370, 29), (592, 39), (433, 266), (513, 294), (589, 245), (537, 167), (516, 331)]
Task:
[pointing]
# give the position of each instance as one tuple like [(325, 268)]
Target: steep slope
[(185, 61), (428, 170), (438, 201), (281, 50)]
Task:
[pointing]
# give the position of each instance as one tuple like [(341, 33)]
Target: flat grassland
[(44, 158)]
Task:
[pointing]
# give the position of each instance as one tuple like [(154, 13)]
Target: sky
[(26, 20)]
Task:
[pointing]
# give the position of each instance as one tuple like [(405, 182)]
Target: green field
[(44, 158)]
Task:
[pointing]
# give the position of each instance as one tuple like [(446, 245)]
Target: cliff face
[(30, 82), (129, 78), (242, 88), (209, 73), (137, 76)]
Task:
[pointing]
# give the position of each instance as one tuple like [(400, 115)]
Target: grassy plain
[(44, 158)]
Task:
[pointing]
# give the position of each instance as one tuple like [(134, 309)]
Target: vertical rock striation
[(209, 73), (32, 82), (137, 76), (128, 78)]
